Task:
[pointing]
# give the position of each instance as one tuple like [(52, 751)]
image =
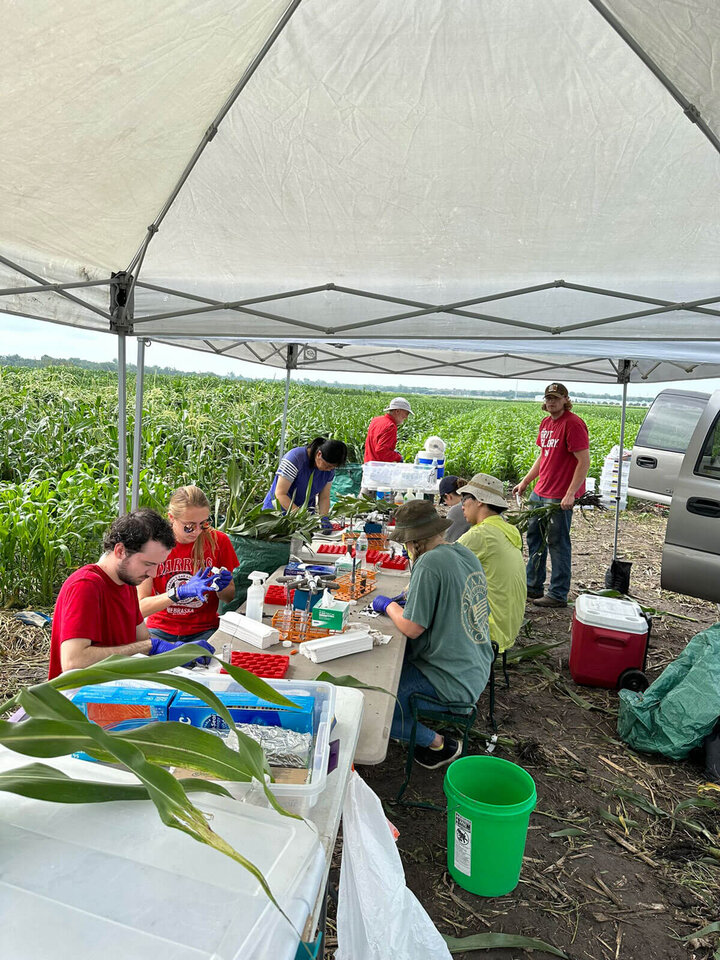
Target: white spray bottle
[(256, 595)]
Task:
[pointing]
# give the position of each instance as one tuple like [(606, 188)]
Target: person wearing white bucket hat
[(498, 546), (382, 432)]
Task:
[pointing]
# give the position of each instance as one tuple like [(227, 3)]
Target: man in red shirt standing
[(97, 613), (382, 432), (561, 470)]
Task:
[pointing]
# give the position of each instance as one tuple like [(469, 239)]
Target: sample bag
[(377, 916), (680, 708)]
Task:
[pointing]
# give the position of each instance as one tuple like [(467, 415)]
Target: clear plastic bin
[(298, 798), (398, 476)]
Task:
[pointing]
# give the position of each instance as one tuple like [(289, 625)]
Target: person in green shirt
[(446, 620), (498, 546)]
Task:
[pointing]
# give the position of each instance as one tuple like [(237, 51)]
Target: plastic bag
[(680, 708), (377, 916)]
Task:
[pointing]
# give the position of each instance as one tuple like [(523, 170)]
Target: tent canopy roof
[(384, 177)]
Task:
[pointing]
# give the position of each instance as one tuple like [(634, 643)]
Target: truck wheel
[(634, 680)]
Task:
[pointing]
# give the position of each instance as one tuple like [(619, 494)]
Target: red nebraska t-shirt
[(558, 440), (92, 606), (190, 616)]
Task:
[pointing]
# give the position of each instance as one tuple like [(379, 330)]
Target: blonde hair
[(190, 497), (416, 548)]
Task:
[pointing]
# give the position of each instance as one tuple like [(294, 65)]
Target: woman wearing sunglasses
[(181, 602)]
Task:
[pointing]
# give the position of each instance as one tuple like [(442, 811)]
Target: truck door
[(691, 555)]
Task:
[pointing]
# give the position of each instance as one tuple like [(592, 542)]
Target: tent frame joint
[(122, 298)]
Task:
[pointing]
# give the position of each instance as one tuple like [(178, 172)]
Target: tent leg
[(290, 364), (620, 469), (122, 425), (137, 427)]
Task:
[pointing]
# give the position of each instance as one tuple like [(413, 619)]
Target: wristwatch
[(172, 595)]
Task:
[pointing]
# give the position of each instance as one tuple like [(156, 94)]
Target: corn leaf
[(41, 782), (508, 941)]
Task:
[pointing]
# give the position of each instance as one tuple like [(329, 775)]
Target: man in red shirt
[(382, 432), (560, 470), (97, 613)]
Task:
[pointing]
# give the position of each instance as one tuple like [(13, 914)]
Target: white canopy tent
[(465, 187)]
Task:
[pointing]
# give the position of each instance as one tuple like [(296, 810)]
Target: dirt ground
[(605, 876)]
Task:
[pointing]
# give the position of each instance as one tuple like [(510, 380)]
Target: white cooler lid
[(111, 880), (610, 613)]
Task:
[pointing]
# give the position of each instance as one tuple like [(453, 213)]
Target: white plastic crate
[(398, 476)]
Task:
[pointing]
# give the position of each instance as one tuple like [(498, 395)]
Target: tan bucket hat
[(486, 489), (418, 520)]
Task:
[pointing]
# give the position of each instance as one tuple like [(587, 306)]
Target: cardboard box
[(244, 708), (117, 707), (331, 616)]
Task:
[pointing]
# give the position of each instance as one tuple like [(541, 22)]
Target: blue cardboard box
[(118, 707), (244, 708)]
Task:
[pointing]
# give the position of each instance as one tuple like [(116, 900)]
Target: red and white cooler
[(609, 643)]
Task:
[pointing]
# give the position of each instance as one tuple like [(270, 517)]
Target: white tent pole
[(122, 425), (625, 368), (290, 364), (137, 427)]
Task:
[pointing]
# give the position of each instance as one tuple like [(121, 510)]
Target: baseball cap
[(559, 389), (398, 403), (448, 484)]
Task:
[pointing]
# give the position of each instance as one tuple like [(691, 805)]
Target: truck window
[(709, 463), (670, 422)]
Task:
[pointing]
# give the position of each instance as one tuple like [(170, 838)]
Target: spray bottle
[(256, 595)]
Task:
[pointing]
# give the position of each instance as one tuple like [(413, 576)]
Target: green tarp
[(253, 554), (680, 708)]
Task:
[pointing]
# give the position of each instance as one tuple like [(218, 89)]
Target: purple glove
[(197, 586), (222, 579), (326, 524), (164, 646), (401, 598), (381, 603)]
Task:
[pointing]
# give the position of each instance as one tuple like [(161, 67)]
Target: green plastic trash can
[(489, 805)]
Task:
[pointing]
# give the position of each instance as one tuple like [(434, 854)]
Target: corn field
[(58, 451)]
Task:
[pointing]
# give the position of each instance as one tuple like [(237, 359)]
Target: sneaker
[(548, 601), (534, 594), (430, 759)]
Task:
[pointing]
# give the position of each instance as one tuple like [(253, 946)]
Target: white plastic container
[(298, 798), (256, 595), (340, 645), (397, 476), (361, 551), (243, 628), (110, 880)]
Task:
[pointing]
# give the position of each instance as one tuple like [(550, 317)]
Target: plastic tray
[(376, 541), (276, 593), (397, 563), (270, 666)]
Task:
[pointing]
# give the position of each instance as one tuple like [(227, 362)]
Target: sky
[(34, 338)]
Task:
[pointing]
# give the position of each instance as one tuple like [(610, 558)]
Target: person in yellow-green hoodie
[(498, 546)]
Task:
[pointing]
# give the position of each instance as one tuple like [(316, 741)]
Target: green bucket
[(489, 805)]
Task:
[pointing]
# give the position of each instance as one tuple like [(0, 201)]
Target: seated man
[(448, 655), (498, 547), (97, 613)]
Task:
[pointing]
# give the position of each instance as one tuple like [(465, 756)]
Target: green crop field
[(58, 450)]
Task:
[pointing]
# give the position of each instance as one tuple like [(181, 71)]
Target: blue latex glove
[(326, 524), (197, 586), (222, 579), (401, 598), (380, 604), (164, 646)]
